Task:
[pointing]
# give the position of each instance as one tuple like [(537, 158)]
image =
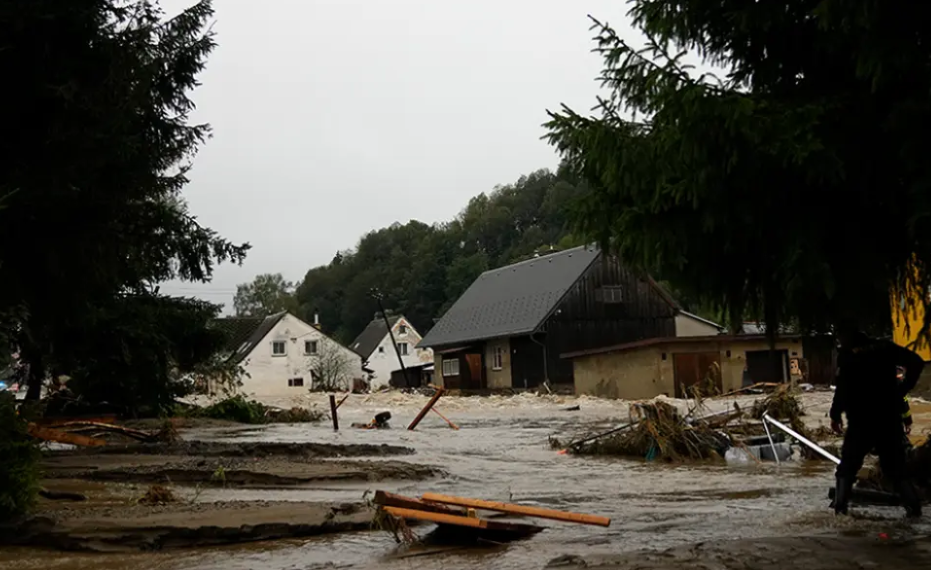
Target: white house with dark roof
[(374, 344), (282, 355)]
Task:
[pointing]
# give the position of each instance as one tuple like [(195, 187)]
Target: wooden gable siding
[(583, 320)]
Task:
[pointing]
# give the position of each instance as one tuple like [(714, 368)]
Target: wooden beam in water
[(438, 518), (58, 436), (344, 398), (333, 412), (426, 409), (488, 528), (399, 501), (517, 509)]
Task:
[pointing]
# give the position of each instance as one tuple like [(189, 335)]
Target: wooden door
[(474, 362), (697, 370)]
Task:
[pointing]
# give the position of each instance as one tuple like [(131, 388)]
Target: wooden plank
[(49, 434), (438, 518), (426, 409), (54, 422), (333, 412), (344, 398), (97, 426), (518, 509), (391, 500)]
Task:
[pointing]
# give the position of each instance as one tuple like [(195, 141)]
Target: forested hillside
[(421, 269)]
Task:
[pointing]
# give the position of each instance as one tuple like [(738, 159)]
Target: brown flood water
[(501, 453)]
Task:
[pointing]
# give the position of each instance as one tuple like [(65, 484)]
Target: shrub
[(19, 462), (236, 409), (239, 409)]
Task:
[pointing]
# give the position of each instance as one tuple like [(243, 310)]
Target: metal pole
[(377, 295), (814, 447), (771, 443)]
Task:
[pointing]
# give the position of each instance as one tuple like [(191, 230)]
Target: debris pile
[(658, 431), (157, 495), (783, 404)]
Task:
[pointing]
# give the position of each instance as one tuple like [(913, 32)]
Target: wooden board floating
[(450, 513), (517, 509), (438, 518), (391, 500)]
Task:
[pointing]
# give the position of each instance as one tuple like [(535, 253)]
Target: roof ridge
[(547, 256)]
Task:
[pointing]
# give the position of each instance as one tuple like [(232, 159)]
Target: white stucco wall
[(384, 360), (268, 374), (687, 325)]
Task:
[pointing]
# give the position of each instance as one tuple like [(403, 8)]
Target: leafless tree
[(331, 368)]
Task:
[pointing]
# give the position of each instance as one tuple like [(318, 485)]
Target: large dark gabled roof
[(243, 334), (511, 300), (368, 340)]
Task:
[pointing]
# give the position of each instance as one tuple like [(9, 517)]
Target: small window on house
[(381, 350), (451, 367), (497, 360), (402, 329), (296, 382), (310, 347), (610, 294), (402, 348), (278, 348)]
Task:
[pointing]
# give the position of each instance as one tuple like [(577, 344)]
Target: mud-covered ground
[(811, 553), (133, 527), (241, 465), (252, 485), (114, 478)]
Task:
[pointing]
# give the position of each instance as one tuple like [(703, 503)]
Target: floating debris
[(157, 495), (659, 432), (457, 521), (783, 404)]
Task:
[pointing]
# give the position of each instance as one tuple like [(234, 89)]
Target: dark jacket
[(867, 389)]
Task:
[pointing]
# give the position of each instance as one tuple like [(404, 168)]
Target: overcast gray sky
[(332, 118)]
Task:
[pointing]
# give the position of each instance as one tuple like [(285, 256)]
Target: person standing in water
[(870, 394)]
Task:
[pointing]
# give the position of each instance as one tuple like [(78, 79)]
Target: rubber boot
[(910, 499), (842, 492)]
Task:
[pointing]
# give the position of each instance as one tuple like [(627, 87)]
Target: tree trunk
[(35, 378)]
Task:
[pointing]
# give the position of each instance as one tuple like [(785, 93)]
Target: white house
[(284, 356), (374, 344)]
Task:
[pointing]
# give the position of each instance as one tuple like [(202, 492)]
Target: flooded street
[(501, 453)]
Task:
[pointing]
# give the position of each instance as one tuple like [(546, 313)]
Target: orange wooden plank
[(53, 422), (399, 501), (49, 434), (436, 517), (518, 509)]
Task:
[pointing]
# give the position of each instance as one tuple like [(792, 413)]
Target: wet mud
[(819, 553), (131, 528), (663, 515), (254, 472), (244, 449), (116, 475)]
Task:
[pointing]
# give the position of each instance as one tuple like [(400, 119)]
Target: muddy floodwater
[(501, 453)]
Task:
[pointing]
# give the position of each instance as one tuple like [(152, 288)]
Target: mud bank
[(261, 449), (127, 529), (230, 471), (247, 465), (818, 553)]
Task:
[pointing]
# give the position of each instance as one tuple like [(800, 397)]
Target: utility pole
[(376, 294)]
